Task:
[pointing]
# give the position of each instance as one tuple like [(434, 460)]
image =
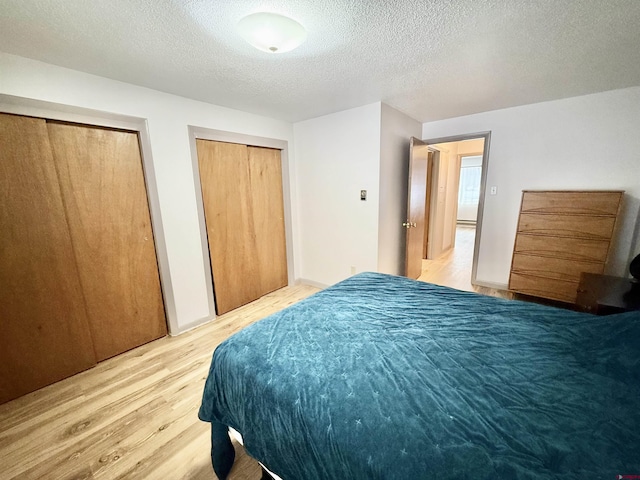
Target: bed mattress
[(382, 377)]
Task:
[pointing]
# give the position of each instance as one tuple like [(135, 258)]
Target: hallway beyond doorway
[(453, 268)]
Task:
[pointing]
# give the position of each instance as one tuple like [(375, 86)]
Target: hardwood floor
[(133, 416), (453, 268)]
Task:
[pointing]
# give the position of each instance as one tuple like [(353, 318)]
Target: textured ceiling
[(431, 59)]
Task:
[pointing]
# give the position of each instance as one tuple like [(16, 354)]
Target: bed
[(382, 377)]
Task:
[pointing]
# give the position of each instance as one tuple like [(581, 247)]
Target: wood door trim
[(433, 202), (427, 204)]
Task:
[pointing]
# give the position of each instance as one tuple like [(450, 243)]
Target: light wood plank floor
[(133, 416), (453, 267)]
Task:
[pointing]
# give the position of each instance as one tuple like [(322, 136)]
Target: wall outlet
[(493, 191), (353, 270)]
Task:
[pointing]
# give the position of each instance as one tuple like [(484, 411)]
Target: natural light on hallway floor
[(453, 268)]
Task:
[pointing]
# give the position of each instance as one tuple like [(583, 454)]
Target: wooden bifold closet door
[(78, 279), (103, 188), (45, 335), (244, 212)]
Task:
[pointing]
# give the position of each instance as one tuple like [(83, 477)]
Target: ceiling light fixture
[(271, 32)]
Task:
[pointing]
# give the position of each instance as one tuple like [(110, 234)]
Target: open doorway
[(453, 209)]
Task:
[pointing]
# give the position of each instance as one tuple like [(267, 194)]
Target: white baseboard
[(497, 286), (191, 325), (306, 281)]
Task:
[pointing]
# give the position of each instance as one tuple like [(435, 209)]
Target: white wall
[(588, 142), (396, 129), (168, 117), (338, 155), (585, 142)]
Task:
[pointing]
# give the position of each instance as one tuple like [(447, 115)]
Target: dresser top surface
[(572, 191)]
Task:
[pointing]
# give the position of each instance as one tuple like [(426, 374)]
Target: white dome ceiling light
[(271, 32)]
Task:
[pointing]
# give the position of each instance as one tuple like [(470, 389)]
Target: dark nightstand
[(605, 295)]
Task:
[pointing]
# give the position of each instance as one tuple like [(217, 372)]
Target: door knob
[(409, 224)]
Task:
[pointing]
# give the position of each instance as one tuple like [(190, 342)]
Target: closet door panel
[(268, 217), (45, 336), (102, 181), (226, 194), (244, 213)]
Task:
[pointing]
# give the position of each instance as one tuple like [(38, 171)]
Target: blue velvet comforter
[(381, 377)]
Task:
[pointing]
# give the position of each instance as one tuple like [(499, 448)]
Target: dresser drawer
[(543, 287), (569, 248), (585, 203), (556, 268), (574, 226)]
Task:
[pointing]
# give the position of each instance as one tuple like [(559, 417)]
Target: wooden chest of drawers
[(560, 235)]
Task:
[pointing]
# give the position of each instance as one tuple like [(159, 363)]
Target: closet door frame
[(253, 141), (66, 113)]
